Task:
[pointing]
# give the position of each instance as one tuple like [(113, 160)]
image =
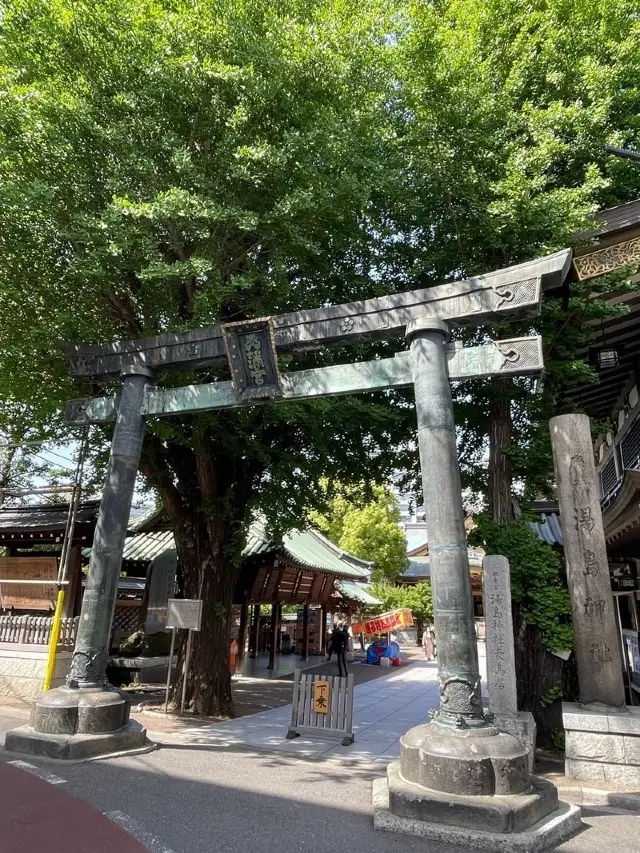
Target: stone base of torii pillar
[(471, 787), (75, 724), (459, 778)]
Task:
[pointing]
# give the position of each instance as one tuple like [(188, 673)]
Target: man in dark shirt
[(338, 645)]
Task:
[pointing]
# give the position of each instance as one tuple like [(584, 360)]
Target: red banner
[(384, 623)]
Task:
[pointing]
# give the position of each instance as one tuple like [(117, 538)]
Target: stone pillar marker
[(597, 645), (602, 734), (501, 664)]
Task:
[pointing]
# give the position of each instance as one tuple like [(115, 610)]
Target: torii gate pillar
[(458, 778), (458, 674), (88, 717)]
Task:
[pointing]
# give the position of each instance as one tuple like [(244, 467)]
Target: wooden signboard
[(321, 697), (29, 596), (322, 706)]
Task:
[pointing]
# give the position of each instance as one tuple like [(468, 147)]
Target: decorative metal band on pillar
[(458, 674), (597, 645), (89, 663)]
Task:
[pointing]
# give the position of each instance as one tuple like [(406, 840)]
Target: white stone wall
[(602, 745), (22, 669), (407, 636)]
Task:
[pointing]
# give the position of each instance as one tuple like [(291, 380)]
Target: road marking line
[(138, 832), (39, 771)]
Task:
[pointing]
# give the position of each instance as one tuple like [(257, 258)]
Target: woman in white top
[(429, 643)]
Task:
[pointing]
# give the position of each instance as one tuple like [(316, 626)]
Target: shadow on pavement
[(238, 802)]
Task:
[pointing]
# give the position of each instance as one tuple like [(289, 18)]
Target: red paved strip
[(37, 817)]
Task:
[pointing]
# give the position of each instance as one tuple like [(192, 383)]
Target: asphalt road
[(39, 814), (193, 800)]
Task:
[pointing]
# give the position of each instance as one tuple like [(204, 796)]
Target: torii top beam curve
[(510, 293)]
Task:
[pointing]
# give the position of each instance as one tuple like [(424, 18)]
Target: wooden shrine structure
[(32, 538), (301, 568)]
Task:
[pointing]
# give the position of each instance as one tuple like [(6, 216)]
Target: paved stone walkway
[(383, 711)]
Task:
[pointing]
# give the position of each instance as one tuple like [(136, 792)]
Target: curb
[(152, 746), (583, 796)]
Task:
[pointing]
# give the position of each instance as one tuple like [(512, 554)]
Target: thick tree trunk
[(206, 504), (537, 670), (500, 437), (209, 576)]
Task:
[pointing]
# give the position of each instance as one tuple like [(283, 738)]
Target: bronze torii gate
[(459, 752)]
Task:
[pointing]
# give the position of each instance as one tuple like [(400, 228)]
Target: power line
[(19, 445), (43, 450), (25, 443), (59, 455), (49, 462)]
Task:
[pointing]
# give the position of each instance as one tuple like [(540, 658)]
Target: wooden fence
[(337, 721), (36, 630)]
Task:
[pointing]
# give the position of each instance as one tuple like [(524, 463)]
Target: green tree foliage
[(417, 598), (537, 583), (165, 166), (512, 105), (365, 521)]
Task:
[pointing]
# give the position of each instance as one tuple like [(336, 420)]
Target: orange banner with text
[(384, 623)]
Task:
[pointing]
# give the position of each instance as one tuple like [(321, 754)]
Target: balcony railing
[(624, 456), (630, 447)]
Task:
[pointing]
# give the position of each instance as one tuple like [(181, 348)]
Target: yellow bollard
[(53, 641)]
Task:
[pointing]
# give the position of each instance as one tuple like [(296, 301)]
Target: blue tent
[(381, 649)]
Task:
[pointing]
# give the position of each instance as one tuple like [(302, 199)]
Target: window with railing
[(609, 477), (630, 447)]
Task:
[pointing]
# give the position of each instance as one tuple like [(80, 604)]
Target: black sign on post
[(252, 358), (624, 577)]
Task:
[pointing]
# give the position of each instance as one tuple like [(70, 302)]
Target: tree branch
[(155, 468), (122, 308)]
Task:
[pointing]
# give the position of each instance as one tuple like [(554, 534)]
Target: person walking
[(429, 643), (330, 642), (338, 645)]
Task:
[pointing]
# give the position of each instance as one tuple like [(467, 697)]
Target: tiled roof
[(47, 517), (307, 548), (147, 546), (419, 567), (548, 528), (613, 219), (356, 592)]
